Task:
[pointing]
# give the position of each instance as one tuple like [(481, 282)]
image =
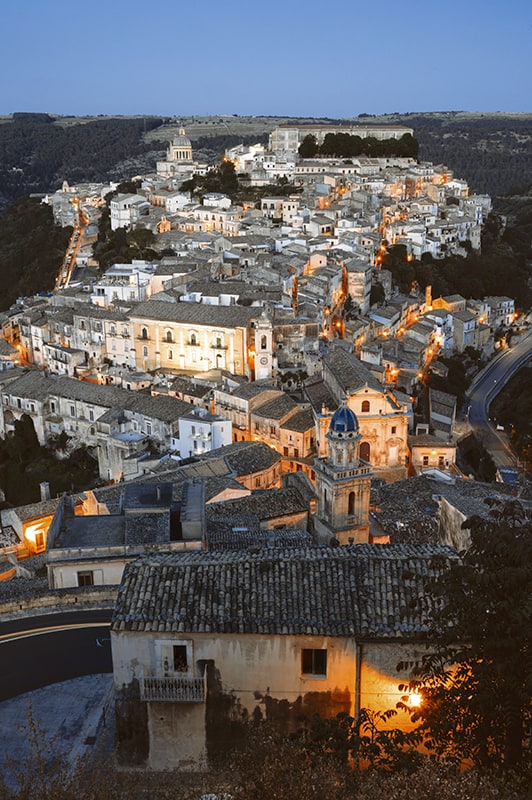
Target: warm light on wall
[(414, 700), (35, 534)]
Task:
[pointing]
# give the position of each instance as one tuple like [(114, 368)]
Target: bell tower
[(343, 484), (263, 347)]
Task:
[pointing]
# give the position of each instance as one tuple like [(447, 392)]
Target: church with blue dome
[(343, 483)]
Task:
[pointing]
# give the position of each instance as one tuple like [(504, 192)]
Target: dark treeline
[(37, 152), (494, 154), (32, 249), (344, 145)]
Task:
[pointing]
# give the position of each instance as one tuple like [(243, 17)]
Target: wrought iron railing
[(175, 689)]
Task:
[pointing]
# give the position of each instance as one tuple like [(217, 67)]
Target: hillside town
[(270, 459)]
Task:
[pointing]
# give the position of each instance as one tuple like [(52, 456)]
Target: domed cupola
[(343, 438), (181, 140), (343, 423), (180, 148)]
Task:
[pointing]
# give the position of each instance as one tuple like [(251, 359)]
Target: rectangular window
[(72, 411), (314, 662), (180, 658), (425, 461), (91, 415), (394, 429), (86, 578)]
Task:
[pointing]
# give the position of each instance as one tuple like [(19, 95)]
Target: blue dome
[(343, 421)]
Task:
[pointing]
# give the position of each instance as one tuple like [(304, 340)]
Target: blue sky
[(334, 58)]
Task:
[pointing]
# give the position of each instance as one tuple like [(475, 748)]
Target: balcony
[(219, 347), (179, 689)]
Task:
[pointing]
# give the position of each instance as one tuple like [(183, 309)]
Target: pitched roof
[(349, 371), (358, 590), (265, 504), (195, 313)]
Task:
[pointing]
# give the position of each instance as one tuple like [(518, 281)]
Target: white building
[(127, 209), (200, 432), (124, 283)]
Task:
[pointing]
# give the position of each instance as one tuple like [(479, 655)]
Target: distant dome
[(181, 140), (343, 421)]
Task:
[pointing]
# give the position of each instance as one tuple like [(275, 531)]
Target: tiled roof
[(195, 313), (265, 504), (351, 373), (245, 458), (359, 590), (277, 408), (34, 385), (235, 534), (301, 421)]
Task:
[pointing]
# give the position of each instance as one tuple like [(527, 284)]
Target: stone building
[(383, 414), (198, 338), (202, 642), (343, 483)]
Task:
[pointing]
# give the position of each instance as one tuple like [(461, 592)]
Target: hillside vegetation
[(37, 153), (32, 249), (493, 152)]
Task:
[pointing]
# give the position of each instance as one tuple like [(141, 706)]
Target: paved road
[(484, 389), (43, 650)]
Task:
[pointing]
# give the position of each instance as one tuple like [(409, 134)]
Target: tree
[(476, 683), (308, 147)]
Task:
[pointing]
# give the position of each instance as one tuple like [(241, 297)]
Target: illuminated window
[(314, 662)]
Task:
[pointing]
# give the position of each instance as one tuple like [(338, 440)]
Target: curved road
[(486, 385), (37, 651)]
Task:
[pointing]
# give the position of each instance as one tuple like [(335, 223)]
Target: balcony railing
[(178, 689), (219, 347)]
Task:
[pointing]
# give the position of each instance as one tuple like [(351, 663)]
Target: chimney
[(45, 490)]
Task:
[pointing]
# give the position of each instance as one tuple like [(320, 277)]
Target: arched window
[(144, 333), (169, 337), (193, 339), (263, 343), (364, 451), (351, 504), (365, 405)]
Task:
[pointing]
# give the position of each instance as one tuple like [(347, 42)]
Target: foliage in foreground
[(308, 765), (476, 682)]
